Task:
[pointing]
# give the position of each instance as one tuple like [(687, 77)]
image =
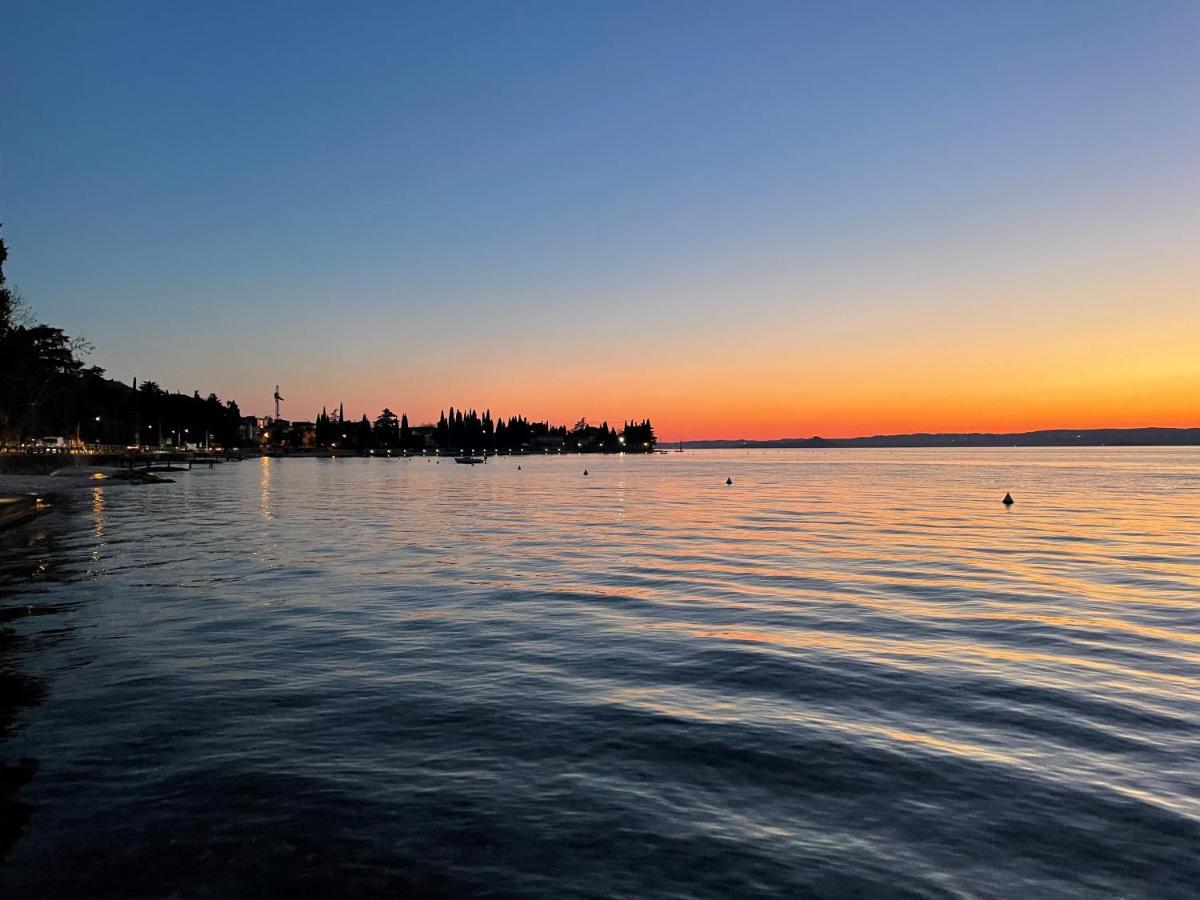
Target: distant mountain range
[(1062, 437)]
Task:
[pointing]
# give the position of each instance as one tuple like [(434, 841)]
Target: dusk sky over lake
[(599, 449), (740, 220)]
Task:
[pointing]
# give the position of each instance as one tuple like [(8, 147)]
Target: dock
[(14, 509)]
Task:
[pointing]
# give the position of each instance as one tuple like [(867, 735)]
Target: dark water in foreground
[(852, 673)]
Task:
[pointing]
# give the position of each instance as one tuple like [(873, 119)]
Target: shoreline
[(29, 496)]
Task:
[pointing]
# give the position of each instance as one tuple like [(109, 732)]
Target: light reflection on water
[(850, 671), (265, 502)]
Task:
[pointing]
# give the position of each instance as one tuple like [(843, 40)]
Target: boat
[(469, 460)]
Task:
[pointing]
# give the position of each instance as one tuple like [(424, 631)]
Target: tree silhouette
[(46, 389), (387, 429), (363, 438)]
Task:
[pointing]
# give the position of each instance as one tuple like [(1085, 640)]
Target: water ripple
[(848, 674)]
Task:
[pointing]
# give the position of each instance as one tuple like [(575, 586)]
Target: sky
[(738, 219)]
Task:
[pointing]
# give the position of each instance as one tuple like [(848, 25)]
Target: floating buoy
[(585, 471), (518, 468), (1008, 500), (729, 481)]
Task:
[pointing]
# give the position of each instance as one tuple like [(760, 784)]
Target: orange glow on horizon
[(1112, 347)]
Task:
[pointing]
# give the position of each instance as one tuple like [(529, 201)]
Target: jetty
[(14, 509), (147, 458)]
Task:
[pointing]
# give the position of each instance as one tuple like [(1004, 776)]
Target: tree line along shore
[(50, 399)]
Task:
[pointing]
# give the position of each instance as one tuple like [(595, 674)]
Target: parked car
[(51, 444)]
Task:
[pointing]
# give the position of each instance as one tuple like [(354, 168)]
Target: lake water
[(850, 673)]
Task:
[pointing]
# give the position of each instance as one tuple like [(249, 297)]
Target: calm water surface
[(851, 673)]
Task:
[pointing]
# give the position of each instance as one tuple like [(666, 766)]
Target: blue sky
[(426, 205)]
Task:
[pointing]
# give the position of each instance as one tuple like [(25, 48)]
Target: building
[(425, 436), (249, 429), (303, 434)]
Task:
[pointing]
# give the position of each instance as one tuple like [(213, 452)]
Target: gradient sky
[(739, 219)]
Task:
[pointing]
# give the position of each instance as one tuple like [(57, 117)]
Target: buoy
[(585, 471), (729, 481), (518, 468), (1008, 500)]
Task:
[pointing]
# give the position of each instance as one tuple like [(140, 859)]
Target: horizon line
[(936, 434)]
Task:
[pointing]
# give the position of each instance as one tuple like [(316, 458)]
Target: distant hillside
[(1096, 437)]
